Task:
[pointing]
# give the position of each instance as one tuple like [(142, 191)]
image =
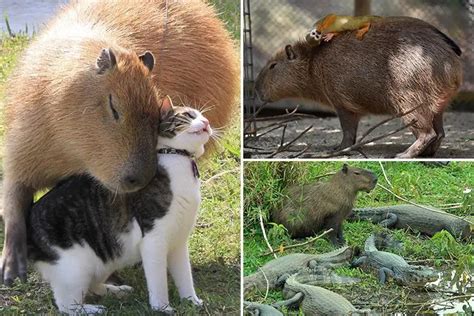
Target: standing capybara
[(401, 63), (81, 101), (310, 208)]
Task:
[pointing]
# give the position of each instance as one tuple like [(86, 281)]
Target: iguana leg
[(282, 279), (390, 220), (358, 262), (294, 301), (364, 29), (384, 273)]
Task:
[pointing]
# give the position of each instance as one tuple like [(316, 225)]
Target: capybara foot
[(13, 263)]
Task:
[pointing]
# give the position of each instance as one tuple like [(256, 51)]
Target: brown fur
[(400, 64), (58, 118), (311, 208)]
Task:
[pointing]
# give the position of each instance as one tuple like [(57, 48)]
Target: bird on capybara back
[(314, 207), (66, 114)]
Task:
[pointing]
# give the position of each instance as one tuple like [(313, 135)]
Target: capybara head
[(116, 133), (284, 76), (359, 179)]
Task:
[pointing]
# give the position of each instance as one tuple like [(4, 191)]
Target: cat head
[(182, 127)]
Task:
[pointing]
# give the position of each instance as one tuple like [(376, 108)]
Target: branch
[(282, 148), (264, 233), (298, 245)]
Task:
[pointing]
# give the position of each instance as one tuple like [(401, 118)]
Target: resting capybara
[(67, 114), (401, 63), (308, 209)]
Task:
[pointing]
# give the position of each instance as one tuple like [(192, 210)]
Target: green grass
[(214, 244), (264, 183)]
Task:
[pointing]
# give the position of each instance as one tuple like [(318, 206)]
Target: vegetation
[(214, 245), (448, 187)]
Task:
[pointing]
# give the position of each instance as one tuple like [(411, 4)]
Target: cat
[(80, 232)]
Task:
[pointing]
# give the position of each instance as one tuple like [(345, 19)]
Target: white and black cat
[(80, 232)]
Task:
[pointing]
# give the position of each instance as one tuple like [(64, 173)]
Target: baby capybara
[(311, 208), (401, 64), (82, 101)]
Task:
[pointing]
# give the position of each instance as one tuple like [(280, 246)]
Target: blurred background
[(270, 25)]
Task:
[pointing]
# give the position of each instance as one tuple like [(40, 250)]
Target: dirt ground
[(326, 134)]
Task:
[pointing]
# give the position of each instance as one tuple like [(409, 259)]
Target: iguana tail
[(370, 244)]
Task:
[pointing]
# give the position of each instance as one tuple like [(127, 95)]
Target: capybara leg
[(438, 127), (334, 222), (17, 201), (364, 29), (349, 123), (423, 140)]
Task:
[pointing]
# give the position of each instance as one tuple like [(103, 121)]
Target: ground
[(215, 242), (326, 134), (449, 187)]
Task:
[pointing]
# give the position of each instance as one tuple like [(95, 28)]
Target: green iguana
[(388, 264)]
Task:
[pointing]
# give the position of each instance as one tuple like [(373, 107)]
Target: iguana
[(388, 264), (331, 25), (314, 300), (293, 263), (427, 220)]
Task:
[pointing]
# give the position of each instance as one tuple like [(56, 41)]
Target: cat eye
[(189, 115), (114, 112)]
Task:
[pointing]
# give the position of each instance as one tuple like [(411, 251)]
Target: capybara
[(65, 116), (310, 208), (402, 63)]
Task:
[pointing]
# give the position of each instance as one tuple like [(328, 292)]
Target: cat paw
[(119, 291), (165, 309), (87, 309), (195, 300)]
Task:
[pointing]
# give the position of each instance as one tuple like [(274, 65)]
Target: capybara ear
[(344, 168), (148, 60), (105, 61), (166, 106), (289, 52)]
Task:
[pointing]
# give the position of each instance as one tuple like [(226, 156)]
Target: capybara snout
[(363, 179)]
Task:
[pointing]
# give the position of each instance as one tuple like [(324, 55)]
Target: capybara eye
[(356, 173), (114, 112), (272, 65)]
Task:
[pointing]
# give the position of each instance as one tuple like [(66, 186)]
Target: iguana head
[(417, 276)]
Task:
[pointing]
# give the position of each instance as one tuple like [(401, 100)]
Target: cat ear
[(166, 105)]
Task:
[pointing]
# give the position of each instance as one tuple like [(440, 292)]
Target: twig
[(221, 174), (285, 147), (300, 152), (325, 175), (251, 119), (298, 245), (385, 175), (274, 117), (268, 131), (283, 135), (264, 233), (360, 144), (267, 284), (367, 132)]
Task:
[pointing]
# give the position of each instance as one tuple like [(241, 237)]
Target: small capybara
[(402, 63), (82, 101), (311, 208)]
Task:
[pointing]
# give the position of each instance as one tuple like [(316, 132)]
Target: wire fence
[(276, 23)]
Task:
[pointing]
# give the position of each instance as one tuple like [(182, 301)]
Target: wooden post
[(361, 7)]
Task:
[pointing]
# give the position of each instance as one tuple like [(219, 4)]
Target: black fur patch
[(81, 211)]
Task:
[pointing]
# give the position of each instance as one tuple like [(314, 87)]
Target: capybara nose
[(133, 182)]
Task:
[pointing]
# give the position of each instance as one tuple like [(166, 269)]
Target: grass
[(215, 242), (437, 186)]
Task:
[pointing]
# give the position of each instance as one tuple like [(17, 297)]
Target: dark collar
[(182, 152), (175, 151)]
